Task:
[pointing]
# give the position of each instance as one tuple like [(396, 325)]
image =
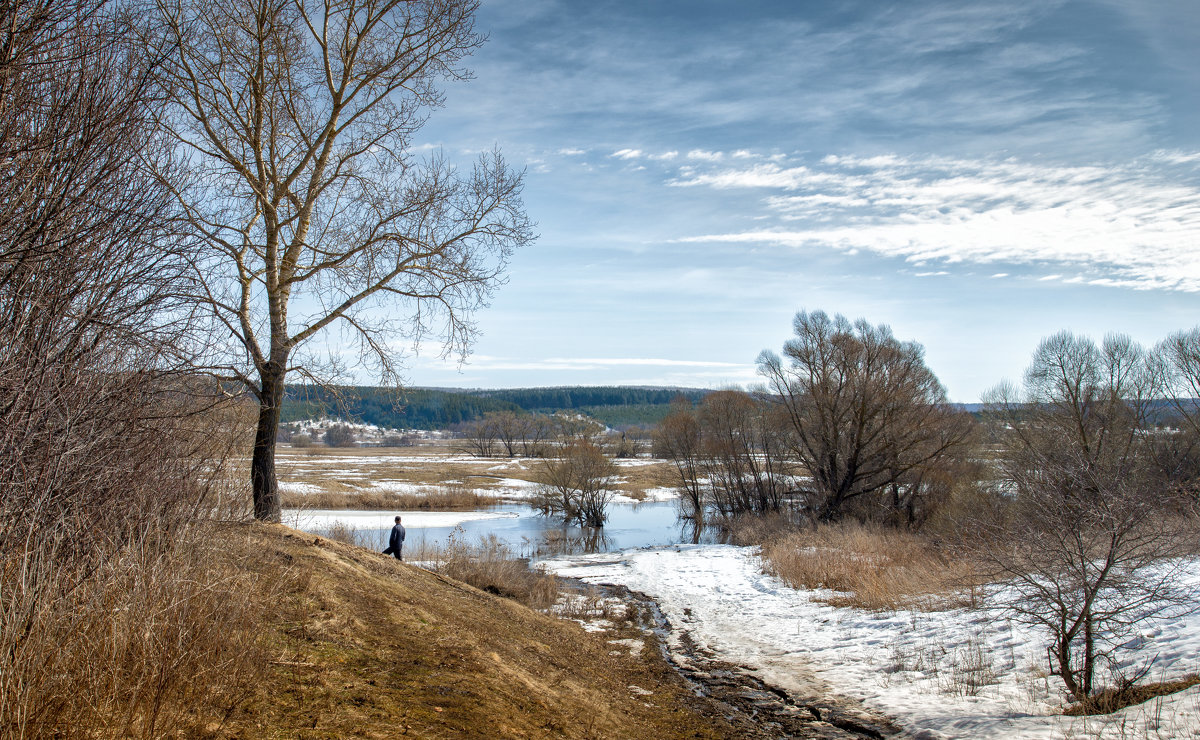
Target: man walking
[(396, 541)]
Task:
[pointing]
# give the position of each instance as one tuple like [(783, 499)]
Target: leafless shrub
[(120, 613), (339, 531), (577, 484), (1094, 537), (971, 668)]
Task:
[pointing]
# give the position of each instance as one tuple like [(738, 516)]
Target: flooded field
[(643, 514)]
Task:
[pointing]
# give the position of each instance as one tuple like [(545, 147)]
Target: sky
[(976, 175)]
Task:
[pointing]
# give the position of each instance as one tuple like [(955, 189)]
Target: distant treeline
[(615, 406)]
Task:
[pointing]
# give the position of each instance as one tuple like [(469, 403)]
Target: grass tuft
[(491, 565)]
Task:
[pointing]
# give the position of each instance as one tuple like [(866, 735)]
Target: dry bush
[(161, 636), (348, 534), (755, 530), (119, 614), (491, 565), (1127, 694), (444, 498), (871, 567)]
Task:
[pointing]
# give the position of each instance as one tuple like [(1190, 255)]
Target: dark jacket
[(396, 540)]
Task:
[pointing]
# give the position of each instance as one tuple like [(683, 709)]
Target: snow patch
[(963, 673)]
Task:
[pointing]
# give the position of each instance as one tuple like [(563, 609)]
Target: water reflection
[(648, 524)]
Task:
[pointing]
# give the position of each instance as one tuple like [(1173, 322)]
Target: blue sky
[(977, 175)]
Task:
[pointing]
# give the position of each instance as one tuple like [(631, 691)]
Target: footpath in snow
[(962, 673)]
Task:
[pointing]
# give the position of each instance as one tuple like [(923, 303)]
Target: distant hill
[(428, 408)]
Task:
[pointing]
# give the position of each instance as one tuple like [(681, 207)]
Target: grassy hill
[(364, 646)]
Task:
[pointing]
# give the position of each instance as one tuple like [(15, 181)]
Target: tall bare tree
[(298, 118), (1092, 540), (865, 409)]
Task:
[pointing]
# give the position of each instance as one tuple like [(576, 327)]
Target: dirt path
[(757, 709)]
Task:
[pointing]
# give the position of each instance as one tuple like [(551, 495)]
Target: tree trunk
[(1066, 670), (262, 465)]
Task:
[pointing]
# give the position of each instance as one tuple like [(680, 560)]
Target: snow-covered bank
[(920, 668)]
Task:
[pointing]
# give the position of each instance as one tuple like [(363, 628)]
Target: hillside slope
[(369, 647)]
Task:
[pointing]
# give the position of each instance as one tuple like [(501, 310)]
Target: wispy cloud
[(1134, 225)]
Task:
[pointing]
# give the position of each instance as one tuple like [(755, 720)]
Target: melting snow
[(963, 673)]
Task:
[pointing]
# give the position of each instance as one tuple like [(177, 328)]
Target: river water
[(629, 525)]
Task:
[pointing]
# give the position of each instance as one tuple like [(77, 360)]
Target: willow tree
[(296, 118), (868, 416)]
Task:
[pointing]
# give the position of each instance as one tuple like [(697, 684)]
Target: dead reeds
[(871, 567)]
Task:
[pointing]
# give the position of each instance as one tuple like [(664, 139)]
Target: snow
[(661, 494), (301, 488), (323, 519), (920, 668)]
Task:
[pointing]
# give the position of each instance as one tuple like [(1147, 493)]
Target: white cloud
[(572, 152), (1130, 225), (705, 155), (627, 154)]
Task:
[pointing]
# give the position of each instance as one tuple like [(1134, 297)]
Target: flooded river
[(629, 525)]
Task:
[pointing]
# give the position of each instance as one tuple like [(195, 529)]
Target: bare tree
[(340, 435), (1177, 366), (510, 429), (537, 432), (106, 458), (480, 437), (679, 440), (1091, 543), (297, 117), (864, 408), (745, 459), (577, 484)]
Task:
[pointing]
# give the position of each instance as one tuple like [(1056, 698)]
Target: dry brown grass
[(491, 565), (160, 638), (872, 567), (1116, 699), (357, 472), (365, 646), (444, 498)]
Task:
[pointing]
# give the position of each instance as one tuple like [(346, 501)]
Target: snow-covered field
[(964, 673)]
